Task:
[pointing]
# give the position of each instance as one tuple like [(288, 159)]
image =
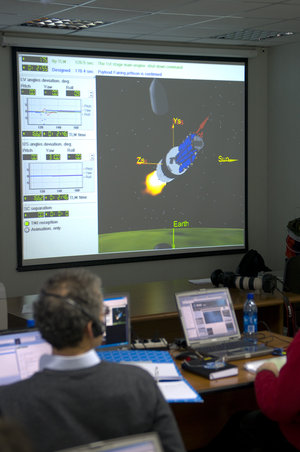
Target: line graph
[(55, 175), (41, 111)]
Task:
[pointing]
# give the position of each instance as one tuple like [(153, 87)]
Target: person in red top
[(275, 427), (278, 394)]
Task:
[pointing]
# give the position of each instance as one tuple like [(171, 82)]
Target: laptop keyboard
[(226, 346), (239, 349)]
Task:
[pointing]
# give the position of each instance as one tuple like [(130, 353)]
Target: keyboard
[(232, 345), (154, 356), (239, 349)]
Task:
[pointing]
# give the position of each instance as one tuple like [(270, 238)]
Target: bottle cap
[(250, 295)]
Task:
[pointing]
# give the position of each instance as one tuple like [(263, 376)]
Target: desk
[(154, 311), (200, 423), (153, 307)]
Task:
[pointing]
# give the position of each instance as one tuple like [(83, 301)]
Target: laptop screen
[(144, 442), (20, 352), (117, 322), (207, 315)]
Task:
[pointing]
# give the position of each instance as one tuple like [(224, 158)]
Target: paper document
[(252, 366), (177, 391), (200, 281), (170, 381), (159, 371)]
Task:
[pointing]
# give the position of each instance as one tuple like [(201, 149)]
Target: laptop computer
[(117, 321), (20, 353), (210, 326), (143, 442)]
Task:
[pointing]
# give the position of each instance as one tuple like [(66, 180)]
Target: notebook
[(143, 442), (117, 321), (210, 326)]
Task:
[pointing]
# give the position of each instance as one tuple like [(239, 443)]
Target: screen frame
[(84, 260)]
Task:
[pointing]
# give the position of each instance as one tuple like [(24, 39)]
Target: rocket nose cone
[(158, 98)]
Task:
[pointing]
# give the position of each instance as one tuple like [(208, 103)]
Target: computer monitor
[(117, 334), (20, 352), (144, 442)]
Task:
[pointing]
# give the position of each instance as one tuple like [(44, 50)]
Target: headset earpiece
[(98, 328)]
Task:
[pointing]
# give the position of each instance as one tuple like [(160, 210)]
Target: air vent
[(71, 24), (253, 35)]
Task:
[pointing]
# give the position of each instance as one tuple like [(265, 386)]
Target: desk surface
[(199, 423), (155, 302), (153, 308), (244, 378), (158, 297)]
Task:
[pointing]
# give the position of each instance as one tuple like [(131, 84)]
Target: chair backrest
[(292, 275)]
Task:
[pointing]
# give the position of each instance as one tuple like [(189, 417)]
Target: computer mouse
[(186, 355), (278, 352)]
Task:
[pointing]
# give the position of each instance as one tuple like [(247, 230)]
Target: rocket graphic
[(176, 162), (180, 158)]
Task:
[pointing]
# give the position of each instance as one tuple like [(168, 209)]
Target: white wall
[(283, 147), (22, 283)]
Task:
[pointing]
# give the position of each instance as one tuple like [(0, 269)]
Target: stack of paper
[(170, 381), (252, 366)]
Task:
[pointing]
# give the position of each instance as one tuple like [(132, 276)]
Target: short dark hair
[(60, 323)]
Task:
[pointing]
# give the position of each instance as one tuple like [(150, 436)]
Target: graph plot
[(63, 112), (44, 176)]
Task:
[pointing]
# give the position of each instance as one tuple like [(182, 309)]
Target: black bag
[(251, 264)]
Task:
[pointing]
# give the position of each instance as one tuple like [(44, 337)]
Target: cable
[(266, 326)]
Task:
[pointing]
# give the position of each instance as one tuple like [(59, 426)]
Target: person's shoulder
[(295, 344), (15, 387), (297, 337)]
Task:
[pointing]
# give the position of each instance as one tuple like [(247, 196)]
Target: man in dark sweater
[(75, 398)]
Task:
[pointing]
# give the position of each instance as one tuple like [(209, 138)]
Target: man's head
[(69, 301)]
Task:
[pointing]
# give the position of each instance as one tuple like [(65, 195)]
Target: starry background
[(209, 194)]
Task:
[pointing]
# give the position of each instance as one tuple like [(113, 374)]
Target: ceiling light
[(72, 24)]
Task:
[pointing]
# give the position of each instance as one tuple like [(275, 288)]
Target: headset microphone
[(98, 327)]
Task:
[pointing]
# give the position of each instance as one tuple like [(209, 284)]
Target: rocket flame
[(153, 185)]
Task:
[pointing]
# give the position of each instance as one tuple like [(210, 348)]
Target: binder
[(161, 366)]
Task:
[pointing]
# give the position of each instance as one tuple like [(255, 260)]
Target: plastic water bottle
[(250, 318)]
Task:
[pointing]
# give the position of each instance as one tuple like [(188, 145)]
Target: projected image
[(170, 164), (128, 157), (54, 111)]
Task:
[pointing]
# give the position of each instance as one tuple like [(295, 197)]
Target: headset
[(98, 327)]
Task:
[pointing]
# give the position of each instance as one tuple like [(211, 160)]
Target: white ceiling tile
[(140, 5), (278, 11), (173, 20)]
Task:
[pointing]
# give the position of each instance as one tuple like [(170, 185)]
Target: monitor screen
[(20, 353), (142, 442), (207, 314), (128, 157), (117, 321)]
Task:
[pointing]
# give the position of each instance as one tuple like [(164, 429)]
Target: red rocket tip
[(202, 125)]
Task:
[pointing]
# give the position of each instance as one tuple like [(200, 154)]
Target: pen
[(199, 354), (156, 373)]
